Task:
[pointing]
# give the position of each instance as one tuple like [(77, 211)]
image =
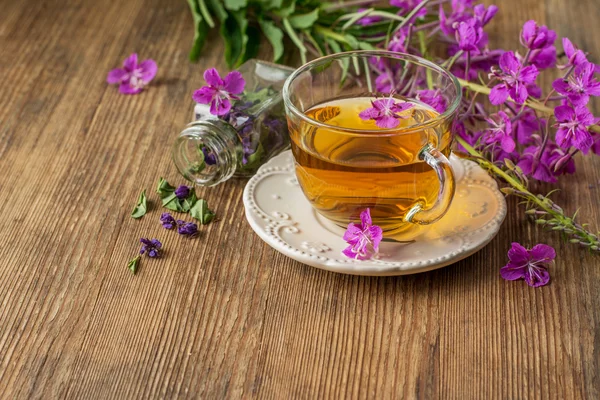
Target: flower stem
[(558, 221)]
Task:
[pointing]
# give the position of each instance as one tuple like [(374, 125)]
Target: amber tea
[(341, 174)]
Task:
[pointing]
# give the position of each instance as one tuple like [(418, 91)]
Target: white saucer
[(280, 214)]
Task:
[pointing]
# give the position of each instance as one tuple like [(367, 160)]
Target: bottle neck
[(207, 152)]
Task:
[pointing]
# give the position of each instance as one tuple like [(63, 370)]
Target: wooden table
[(224, 315)]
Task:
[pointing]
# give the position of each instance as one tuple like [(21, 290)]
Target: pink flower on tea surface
[(220, 92), (580, 85), (531, 265), (363, 238), (515, 80), (500, 132), (385, 112), (133, 77), (572, 124)]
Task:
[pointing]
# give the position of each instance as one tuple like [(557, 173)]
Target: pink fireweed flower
[(484, 15), (537, 37), (572, 124), (580, 85), (363, 238), (133, 77), (470, 35), (407, 6), (531, 265), (220, 92), (385, 112), (575, 56), (500, 132), (515, 80)]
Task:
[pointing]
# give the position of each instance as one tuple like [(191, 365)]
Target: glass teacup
[(372, 129)]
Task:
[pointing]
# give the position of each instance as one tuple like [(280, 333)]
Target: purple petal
[(352, 233), (234, 82), (365, 218), (583, 140), (507, 143), (149, 69), (543, 173), (376, 234), (499, 94), (518, 93), (544, 58), (368, 114), (529, 31), (536, 276), (518, 254), (578, 99), (562, 137), (528, 74), (542, 252), (526, 165), (512, 272), (126, 88), (117, 76), (593, 88), (130, 62), (349, 252), (204, 95), (561, 86), (387, 122), (212, 77), (568, 47), (220, 106), (564, 113), (509, 62)]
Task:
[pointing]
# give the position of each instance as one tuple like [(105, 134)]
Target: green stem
[(331, 34)]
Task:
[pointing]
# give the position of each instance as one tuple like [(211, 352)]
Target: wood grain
[(224, 315)]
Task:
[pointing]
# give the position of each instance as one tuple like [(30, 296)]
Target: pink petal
[(368, 114), (499, 94), (529, 30), (352, 233), (349, 252), (130, 62), (234, 82), (365, 218), (509, 62), (117, 76), (542, 252), (149, 69), (126, 88), (204, 95), (569, 48), (561, 86), (543, 173), (383, 104), (536, 277), (507, 143), (519, 93), (212, 77), (518, 254), (376, 234), (564, 113), (387, 122), (512, 272), (583, 140), (220, 106), (528, 74), (578, 99), (593, 88)]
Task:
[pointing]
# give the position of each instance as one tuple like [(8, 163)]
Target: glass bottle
[(213, 149)]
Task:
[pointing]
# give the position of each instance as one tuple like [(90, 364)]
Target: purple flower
[(531, 265), (500, 131), (398, 41), (575, 56), (572, 124), (220, 92), (151, 247), (384, 83), (543, 58), (385, 112), (484, 15), (209, 156), (363, 238), (537, 37), (133, 76), (182, 192), (433, 98), (515, 79), (470, 35), (525, 126), (408, 5), (541, 167), (560, 162), (167, 221), (187, 228), (367, 19), (580, 85)]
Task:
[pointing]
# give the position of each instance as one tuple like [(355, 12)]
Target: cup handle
[(440, 164)]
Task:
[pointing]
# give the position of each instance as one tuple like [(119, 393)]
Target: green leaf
[(201, 212), (286, 9), (188, 202), (218, 9), (304, 21), (292, 34), (205, 14), (355, 17), (141, 207), (272, 4), (234, 34), (171, 202), (133, 264), (351, 40), (366, 46), (164, 188), (200, 30), (274, 35), (235, 5)]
